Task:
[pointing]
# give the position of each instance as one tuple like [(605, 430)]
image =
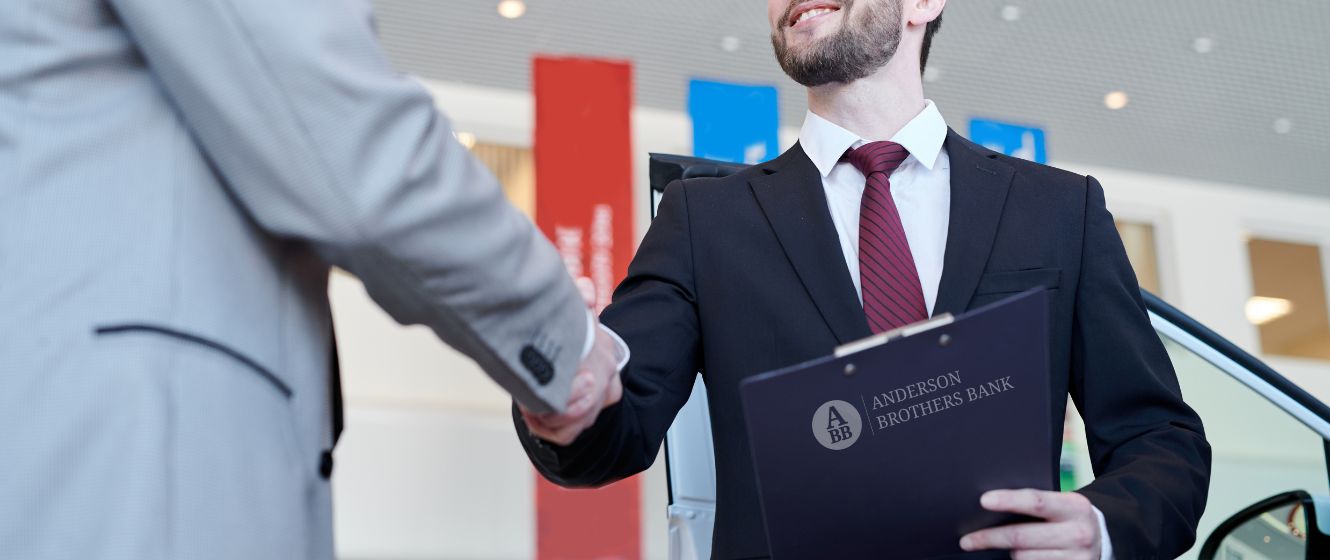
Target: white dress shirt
[(621, 351), (921, 188)]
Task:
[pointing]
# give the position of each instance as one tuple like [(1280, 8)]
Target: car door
[(1268, 436)]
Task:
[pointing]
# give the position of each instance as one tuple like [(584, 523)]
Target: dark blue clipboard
[(855, 459)]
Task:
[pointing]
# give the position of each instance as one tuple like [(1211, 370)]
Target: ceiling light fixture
[(1203, 45), (1116, 100), (1283, 125), (1011, 12), (729, 43), (512, 9), (1264, 310)]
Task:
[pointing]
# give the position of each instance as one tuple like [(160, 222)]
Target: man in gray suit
[(176, 178)]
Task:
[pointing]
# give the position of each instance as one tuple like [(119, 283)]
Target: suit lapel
[(979, 185), (790, 192)]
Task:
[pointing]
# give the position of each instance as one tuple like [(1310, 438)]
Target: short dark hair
[(929, 31)]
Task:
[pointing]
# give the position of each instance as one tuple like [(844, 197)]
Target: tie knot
[(877, 157)]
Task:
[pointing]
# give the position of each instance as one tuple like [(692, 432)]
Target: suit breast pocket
[(1015, 281)]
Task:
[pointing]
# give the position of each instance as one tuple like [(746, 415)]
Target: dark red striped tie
[(888, 279)]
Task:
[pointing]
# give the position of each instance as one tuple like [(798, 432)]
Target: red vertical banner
[(584, 178)]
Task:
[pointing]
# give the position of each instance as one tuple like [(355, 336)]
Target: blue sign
[(1012, 139), (734, 122)]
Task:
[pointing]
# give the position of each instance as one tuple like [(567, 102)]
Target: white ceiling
[(1209, 116)]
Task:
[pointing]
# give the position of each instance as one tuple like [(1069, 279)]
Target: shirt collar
[(825, 142)]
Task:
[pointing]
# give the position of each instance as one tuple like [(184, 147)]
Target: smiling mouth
[(809, 11)]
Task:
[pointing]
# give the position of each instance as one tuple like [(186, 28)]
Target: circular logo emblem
[(837, 425)]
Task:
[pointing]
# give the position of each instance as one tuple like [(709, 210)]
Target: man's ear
[(920, 12)]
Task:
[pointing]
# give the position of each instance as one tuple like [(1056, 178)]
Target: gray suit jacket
[(176, 178)]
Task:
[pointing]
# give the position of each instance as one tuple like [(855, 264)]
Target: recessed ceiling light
[(729, 43), (932, 74), (1203, 45), (512, 9), (466, 139), (1283, 126), (1011, 12), (1263, 310), (1116, 100)]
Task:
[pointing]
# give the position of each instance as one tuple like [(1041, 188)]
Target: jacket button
[(539, 366), (326, 465)]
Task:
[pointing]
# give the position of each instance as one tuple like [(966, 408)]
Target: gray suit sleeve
[(319, 140)]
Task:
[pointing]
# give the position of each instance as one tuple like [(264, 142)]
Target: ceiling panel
[(1209, 116)]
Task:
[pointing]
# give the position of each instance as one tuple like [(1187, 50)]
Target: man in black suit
[(843, 236)]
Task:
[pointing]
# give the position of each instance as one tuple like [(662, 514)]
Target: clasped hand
[(596, 386)]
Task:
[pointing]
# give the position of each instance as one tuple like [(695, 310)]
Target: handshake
[(596, 386)]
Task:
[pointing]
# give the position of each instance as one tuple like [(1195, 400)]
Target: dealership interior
[(1207, 123)]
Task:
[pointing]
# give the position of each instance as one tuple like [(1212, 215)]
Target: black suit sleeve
[(1148, 448), (655, 312)]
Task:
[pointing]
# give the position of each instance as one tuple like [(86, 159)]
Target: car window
[(1259, 449)]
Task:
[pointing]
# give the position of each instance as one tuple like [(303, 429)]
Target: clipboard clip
[(898, 332)]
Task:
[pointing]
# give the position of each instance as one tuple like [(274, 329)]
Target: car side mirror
[(1284, 526)]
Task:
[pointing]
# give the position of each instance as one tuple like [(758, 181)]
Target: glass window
[(1259, 450), (1288, 303), (1139, 239)]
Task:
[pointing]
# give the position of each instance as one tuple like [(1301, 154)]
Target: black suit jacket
[(744, 274)]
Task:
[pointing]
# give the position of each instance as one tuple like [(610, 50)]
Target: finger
[(560, 435), (583, 386), (577, 410), (1030, 536), (588, 289), (536, 422), (1053, 506), (574, 414), (557, 421), (539, 429), (568, 434), (557, 437)]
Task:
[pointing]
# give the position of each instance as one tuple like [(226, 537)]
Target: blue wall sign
[(1011, 139), (734, 122)]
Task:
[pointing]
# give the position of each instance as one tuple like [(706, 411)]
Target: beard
[(860, 47)]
